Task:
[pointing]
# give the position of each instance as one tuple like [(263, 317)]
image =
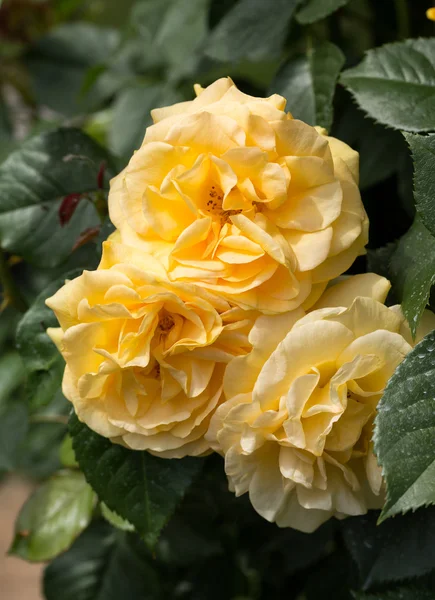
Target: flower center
[(166, 323), (214, 206)]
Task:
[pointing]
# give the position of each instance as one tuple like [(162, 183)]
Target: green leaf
[(9, 318), (141, 488), (251, 30), (147, 17), (42, 361), (412, 592), (308, 84), (181, 32), (395, 550), (405, 429), (101, 565), (66, 453), (39, 455), (11, 374), (13, 429), (114, 519), (33, 182), (58, 64), (395, 84), (413, 272), (315, 10), (132, 115), (423, 154), (53, 517)]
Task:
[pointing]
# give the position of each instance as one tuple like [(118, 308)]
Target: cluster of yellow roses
[(208, 324)]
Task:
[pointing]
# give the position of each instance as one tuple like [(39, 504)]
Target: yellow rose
[(296, 428), (235, 195), (145, 357)]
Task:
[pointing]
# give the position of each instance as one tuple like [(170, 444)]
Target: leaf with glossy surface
[(412, 271), (405, 430), (423, 155), (395, 84), (308, 84), (33, 182), (315, 10), (53, 517), (101, 565), (395, 550), (141, 488), (251, 30)]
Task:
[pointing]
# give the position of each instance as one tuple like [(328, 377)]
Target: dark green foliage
[(141, 488), (412, 271), (395, 84), (315, 10), (251, 31), (406, 451), (398, 549), (308, 82), (100, 565), (423, 155)]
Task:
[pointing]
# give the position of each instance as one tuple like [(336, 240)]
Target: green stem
[(11, 293), (402, 17)]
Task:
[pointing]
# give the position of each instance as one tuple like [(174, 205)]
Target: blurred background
[(102, 65)]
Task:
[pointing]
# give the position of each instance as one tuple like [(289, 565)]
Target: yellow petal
[(311, 249), (312, 344), (207, 133), (343, 293)]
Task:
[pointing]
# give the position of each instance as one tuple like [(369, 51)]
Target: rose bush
[(235, 195), (296, 428), (199, 340)]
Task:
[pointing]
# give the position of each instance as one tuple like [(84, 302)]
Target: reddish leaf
[(100, 176), (86, 236), (68, 207)]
